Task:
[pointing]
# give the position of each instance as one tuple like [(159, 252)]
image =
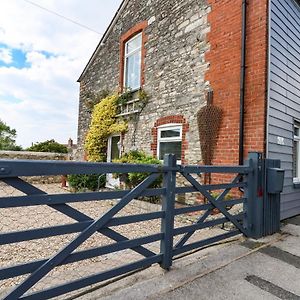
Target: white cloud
[(6, 55), (41, 99)]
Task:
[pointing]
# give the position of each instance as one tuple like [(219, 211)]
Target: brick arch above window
[(169, 120), (138, 28)]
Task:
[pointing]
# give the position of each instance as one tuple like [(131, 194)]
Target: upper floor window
[(133, 62)]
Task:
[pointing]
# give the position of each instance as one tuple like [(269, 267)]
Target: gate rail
[(85, 226)]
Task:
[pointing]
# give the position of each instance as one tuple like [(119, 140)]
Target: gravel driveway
[(19, 219)]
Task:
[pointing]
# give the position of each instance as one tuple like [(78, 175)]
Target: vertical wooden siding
[(284, 93)]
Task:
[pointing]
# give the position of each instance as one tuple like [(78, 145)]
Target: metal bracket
[(4, 170)]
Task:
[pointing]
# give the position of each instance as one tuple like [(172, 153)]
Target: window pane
[(133, 71), (170, 133), (296, 131), (295, 159), (115, 152), (134, 44), (170, 148)]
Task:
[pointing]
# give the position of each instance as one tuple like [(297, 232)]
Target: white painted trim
[(126, 55), (297, 139), (109, 144), (169, 126), (268, 79)]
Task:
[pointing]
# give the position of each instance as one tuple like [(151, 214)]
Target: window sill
[(132, 90), (297, 185)]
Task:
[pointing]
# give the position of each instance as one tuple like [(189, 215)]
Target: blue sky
[(15, 57), (41, 58)]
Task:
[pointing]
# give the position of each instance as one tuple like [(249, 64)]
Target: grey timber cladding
[(284, 94)]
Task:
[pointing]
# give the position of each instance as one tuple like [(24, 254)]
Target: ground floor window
[(296, 153), (113, 152), (169, 140), (114, 148)]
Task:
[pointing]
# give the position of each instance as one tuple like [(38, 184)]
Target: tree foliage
[(48, 146), (8, 138)]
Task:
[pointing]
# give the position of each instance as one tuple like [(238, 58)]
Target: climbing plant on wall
[(103, 124)]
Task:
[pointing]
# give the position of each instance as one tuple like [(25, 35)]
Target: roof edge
[(104, 37)]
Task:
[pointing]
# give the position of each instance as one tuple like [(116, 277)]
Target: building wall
[(174, 69), (223, 75), (191, 46), (284, 94)]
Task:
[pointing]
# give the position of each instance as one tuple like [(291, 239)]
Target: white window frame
[(297, 140), (169, 139), (111, 181), (127, 55), (109, 145)]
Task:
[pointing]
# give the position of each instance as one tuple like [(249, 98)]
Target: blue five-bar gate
[(246, 180)]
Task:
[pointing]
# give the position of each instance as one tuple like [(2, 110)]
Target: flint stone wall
[(175, 67)]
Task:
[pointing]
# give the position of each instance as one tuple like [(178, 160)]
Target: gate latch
[(275, 178)]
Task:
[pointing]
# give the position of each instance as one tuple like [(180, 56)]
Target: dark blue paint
[(258, 218)]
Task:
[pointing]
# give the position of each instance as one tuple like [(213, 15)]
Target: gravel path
[(18, 219)]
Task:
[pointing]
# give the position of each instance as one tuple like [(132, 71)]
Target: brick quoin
[(224, 57), (140, 27), (177, 119)]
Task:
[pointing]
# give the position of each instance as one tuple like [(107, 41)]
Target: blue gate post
[(264, 185), (168, 206), (254, 194), (274, 177)]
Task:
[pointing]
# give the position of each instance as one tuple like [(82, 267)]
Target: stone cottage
[(245, 54)]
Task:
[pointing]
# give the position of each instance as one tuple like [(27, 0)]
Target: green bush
[(81, 182), (226, 198), (48, 146), (138, 157)]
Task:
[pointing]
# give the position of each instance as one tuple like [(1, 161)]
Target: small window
[(296, 153), (169, 141), (132, 62), (113, 149)]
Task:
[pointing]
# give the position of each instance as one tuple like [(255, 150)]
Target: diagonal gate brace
[(215, 202), (220, 198), (81, 238), (73, 213)]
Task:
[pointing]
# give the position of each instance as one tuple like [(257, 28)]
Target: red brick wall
[(140, 27), (224, 74), (178, 119)]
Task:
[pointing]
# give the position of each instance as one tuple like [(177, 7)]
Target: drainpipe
[(242, 83)]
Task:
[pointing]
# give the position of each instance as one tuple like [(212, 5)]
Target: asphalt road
[(264, 269)]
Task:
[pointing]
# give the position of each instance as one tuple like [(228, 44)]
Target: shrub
[(48, 146), (226, 198), (103, 124), (81, 182), (216, 195), (138, 157)]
